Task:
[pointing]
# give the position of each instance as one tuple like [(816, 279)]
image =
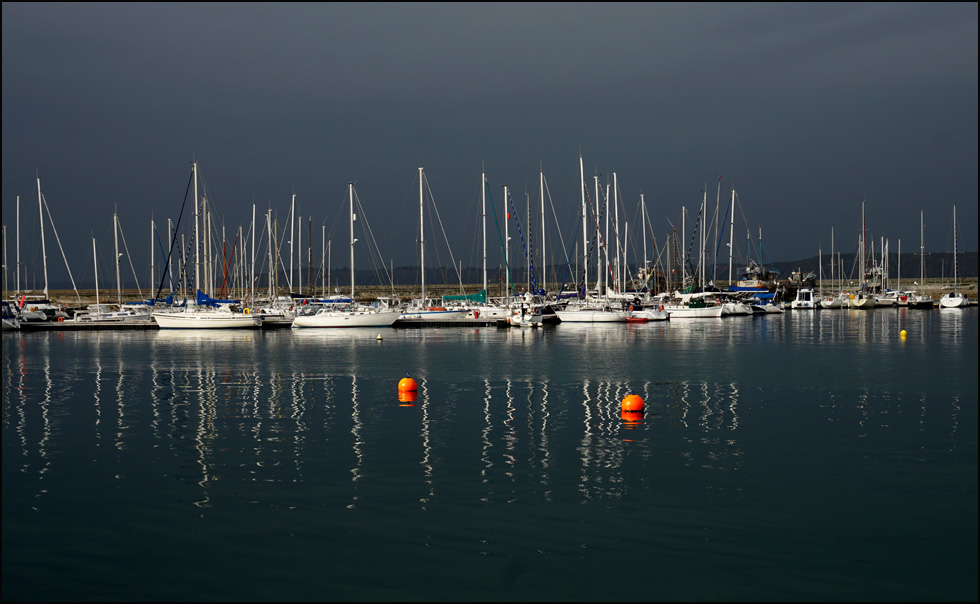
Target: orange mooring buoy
[(407, 384), (632, 402)]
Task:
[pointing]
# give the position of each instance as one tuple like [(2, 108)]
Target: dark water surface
[(805, 456)]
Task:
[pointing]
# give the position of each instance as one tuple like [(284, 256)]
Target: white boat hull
[(591, 316), (830, 302), (805, 300), (340, 319), (687, 312), (862, 302), (921, 302), (434, 315), (206, 320), (651, 314), (954, 300), (489, 313)]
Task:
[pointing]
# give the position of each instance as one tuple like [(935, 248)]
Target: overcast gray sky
[(806, 109)]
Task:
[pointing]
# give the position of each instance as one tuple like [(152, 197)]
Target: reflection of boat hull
[(206, 320), (341, 319)]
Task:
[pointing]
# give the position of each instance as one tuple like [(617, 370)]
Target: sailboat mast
[(44, 251), (840, 273), (251, 278), (605, 248), (197, 217), (831, 256), (350, 194), (585, 230), (115, 237), (731, 240), (684, 249), (483, 216), (18, 244), (626, 238), (714, 253), (544, 255), (643, 231), (421, 236), (95, 263), (922, 250), (956, 273), (618, 269), (292, 238), (528, 259), (863, 259), (599, 242), (170, 253), (703, 236), (299, 256), (506, 246), (152, 255)]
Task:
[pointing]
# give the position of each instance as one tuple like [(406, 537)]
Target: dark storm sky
[(804, 109)]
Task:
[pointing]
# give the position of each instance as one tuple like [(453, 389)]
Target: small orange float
[(407, 384), (632, 402)]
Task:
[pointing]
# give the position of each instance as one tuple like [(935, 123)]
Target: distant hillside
[(937, 265)]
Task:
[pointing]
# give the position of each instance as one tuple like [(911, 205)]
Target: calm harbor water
[(804, 456)]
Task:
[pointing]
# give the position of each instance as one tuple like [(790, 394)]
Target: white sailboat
[(863, 299), (691, 306), (205, 312), (99, 313), (829, 301), (225, 315), (955, 298), (591, 310), (423, 308), (351, 314), (917, 300)]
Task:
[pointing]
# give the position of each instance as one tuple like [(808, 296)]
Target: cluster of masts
[(201, 257)]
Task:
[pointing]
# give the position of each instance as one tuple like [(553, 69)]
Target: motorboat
[(805, 300)]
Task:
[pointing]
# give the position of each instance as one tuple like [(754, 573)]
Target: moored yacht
[(207, 313), (805, 300), (354, 315), (861, 300)]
